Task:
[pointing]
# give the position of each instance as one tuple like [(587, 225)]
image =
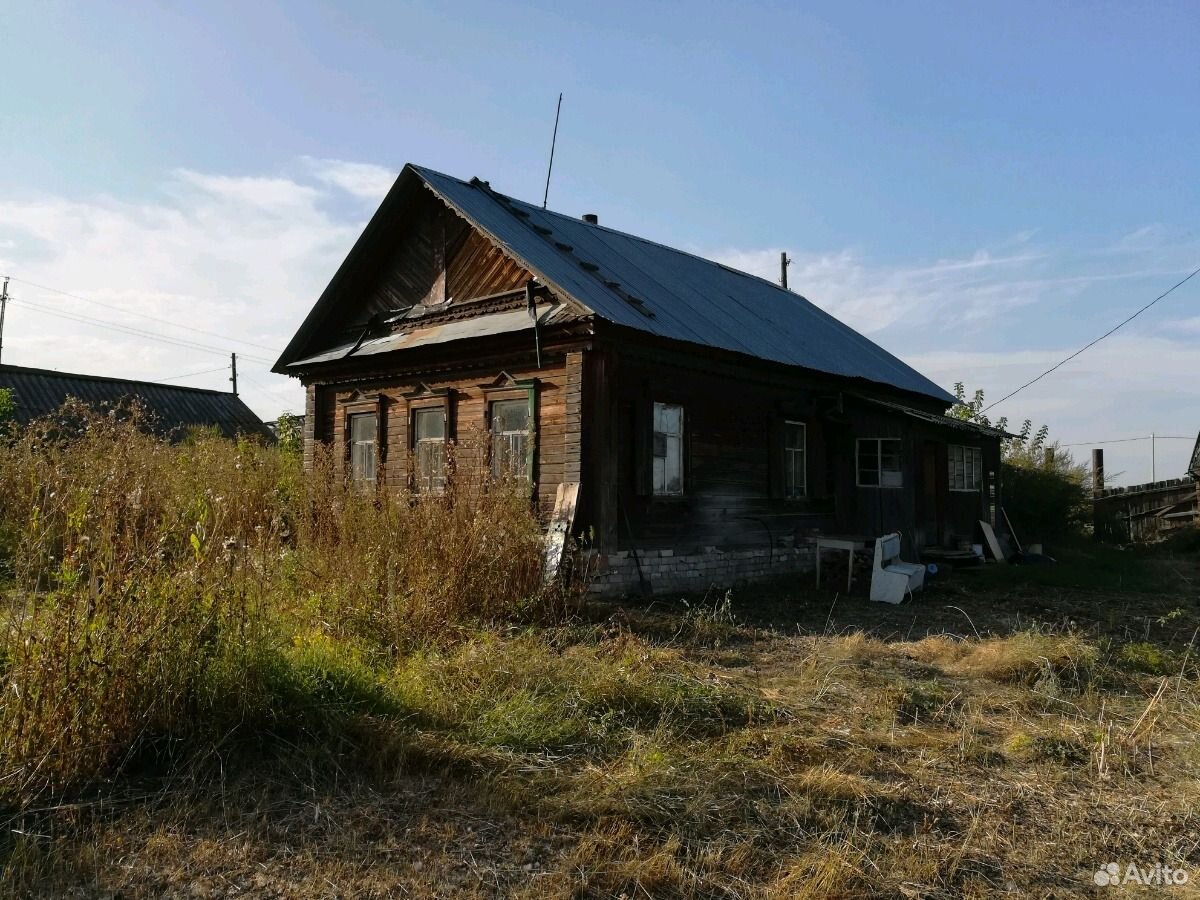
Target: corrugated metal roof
[(39, 392), (935, 419), (639, 284), (416, 336)]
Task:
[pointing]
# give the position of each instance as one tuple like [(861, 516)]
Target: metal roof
[(39, 392), (935, 419), (646, 286), (416, 336)]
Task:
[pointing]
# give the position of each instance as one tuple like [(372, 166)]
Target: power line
[(1145, 437), (161, 321), (194, 374), (130, 330), (1111, 331)]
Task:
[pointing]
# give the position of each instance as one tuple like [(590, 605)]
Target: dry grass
[(293, 727)]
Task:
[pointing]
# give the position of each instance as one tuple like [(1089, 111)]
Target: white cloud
[(1128, 386), (953, 293), (366, 181), (242, 257), (246, 256)]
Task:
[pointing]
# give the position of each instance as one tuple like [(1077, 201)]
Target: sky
[(981, 191)]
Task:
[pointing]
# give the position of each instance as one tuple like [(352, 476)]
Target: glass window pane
[(430, 424), (510, 415), (363, 426), (674, 465)]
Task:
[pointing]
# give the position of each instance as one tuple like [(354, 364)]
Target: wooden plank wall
[(727, 497), (438, 257), (731, 433), (558, 425)]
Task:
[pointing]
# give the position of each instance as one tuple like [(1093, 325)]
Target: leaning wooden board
[(994, 545), (560, 527)]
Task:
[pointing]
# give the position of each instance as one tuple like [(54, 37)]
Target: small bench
[(892, 578)]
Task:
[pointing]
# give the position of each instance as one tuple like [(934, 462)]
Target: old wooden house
[(713, 419)]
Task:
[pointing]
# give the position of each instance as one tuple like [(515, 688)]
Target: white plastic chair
[(892, 578)]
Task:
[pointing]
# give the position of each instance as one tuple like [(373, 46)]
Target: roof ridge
[(616, 231)]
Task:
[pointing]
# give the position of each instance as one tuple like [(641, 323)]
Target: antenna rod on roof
[(553, 141)]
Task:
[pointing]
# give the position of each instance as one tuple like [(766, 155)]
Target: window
[(879, 463), (511, 446), (429, 448), (795, 474), (668, 450), (364, 428), (966, 468)]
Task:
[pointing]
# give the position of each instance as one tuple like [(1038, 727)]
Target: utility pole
[(784, 262), (3, 304), (233, 371)]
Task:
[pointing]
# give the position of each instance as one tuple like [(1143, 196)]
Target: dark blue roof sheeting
[(639, 284), (174, 409)]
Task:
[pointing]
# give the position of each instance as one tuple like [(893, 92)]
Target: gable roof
[(1194, 466), (639, 284), (39, 392)]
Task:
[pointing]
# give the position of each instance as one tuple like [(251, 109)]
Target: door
[(929, 496)]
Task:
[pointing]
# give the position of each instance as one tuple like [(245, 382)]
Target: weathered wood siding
[(438, 257), (733, 495), (729, 497), (557, 412)]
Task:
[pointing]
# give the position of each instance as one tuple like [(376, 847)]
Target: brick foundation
[(665, 570)]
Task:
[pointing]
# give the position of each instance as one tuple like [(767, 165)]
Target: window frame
[(371, 480), (878, 442), (977, 454), (681, 437), (420, 484), (359, 404), (525, 397), (788, 453)]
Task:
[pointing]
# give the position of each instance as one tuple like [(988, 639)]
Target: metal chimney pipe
[(591, 218)]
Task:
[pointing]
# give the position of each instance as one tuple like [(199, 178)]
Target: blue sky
[(981, 191)]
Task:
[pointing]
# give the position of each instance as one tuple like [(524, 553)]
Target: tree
[(289, 433), (1044, 487), (1028, 448)]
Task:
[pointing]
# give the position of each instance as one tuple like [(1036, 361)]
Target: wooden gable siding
[(438, 257), (558, 422)]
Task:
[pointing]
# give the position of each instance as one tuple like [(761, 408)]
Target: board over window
[(795, 460), (879, 462), (668, 450), (512, 444), (966, 468)]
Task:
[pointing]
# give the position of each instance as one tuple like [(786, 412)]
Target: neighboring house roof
[(1194, 467), (636, 283), (39, 392)]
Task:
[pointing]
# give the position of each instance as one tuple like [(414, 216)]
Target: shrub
[(192, 588)]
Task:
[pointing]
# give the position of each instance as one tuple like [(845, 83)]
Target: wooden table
[(834, 542)]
